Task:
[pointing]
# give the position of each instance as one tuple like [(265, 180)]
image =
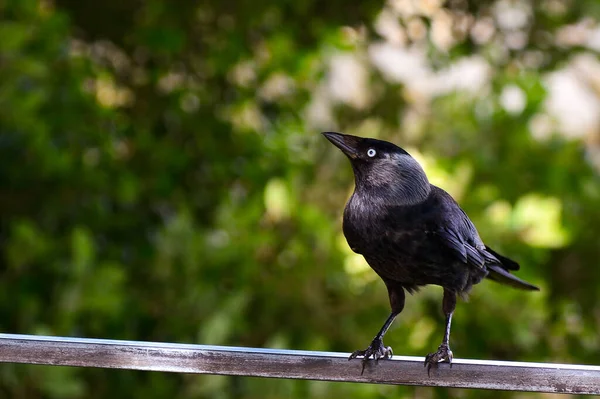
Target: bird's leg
[(443, 354), (377, 350)]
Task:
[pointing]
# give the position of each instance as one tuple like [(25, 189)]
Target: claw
[(375, 351), (443, 354)]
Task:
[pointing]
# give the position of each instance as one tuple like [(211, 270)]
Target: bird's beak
[(348, 144)]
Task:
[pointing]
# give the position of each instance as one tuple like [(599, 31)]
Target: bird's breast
[(362, 224)]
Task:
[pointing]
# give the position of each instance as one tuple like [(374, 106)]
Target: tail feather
[(500, 275), (508, 264)]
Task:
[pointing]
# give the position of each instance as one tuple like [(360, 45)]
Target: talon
[(388, 352), (443, 354), (375, 351), (355, 354)]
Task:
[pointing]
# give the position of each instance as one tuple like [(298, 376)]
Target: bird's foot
[(443, 354), (376, 351)]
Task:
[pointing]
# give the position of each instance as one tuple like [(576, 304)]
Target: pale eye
[(371, 152)]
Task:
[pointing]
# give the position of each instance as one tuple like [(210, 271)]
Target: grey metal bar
[(275, 363)]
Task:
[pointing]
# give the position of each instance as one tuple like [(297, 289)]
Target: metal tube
[(275, 363)]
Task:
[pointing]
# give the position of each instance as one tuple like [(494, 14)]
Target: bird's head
[(383, 167)]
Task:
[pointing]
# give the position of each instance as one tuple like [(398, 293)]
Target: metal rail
[(275, 363)]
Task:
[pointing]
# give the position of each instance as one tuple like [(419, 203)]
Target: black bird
[(413, 233)]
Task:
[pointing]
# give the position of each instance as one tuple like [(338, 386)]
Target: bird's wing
[(463, 250), (458, 233), (464, 246)]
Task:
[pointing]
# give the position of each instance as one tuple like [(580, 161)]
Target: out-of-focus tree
[(162, 177)]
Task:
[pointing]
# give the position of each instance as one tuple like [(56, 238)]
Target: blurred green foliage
[(162, 179)]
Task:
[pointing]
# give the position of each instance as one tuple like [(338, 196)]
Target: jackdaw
[(413, 233)]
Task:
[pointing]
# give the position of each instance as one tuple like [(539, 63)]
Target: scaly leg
[(377, 350), (443, 354)]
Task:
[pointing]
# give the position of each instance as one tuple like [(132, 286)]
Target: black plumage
[(412, 234)]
